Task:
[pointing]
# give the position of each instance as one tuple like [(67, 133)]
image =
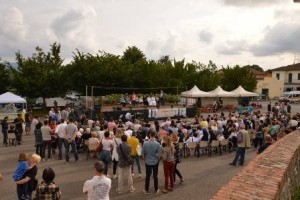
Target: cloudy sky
[(228, 32)]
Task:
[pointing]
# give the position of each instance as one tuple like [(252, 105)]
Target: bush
[(296, 195)]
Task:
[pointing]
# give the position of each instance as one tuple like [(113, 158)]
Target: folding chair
[(203, 146), (215, 145)]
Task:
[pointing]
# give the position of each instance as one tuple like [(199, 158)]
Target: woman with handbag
[(106, 145), (29, 177), (174, 139), (124, 165), (115, 156)]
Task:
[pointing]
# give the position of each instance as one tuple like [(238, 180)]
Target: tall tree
[(133, 55), (4, 77), (40, 74), (236, 76)]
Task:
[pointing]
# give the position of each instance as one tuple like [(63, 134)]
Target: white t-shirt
[(46, 133), (107, 143), (61, 130), (97, 188)]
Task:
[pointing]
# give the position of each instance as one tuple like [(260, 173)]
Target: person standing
[(151, 152), (99, 186), (177, 160), (269, 106), (47, 189), (19, 128), (28, 119), (60, 131), (46, 134), (124, 165), (168, 160), (243, 143), (29, 177), (105, 154), (34, 122), (133, 142), (70, 134), (4, 125), (38, 139)]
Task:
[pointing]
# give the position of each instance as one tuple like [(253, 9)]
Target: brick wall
[(274, 174)]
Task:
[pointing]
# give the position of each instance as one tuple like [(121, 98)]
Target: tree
[(40, 74), (133, 54), (4, 77), (256, 67), (236, 76)]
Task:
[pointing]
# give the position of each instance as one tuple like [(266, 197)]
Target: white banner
[(166, 112)]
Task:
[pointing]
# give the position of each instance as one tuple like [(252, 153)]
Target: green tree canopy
[(236, 76), (4, 77), (40, 74)]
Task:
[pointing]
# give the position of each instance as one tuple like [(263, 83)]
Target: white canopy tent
[(195, 92), (11, 98), (219, 92), (8, 108), (241, 92)]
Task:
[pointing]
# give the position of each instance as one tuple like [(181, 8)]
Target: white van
[(292, 96)]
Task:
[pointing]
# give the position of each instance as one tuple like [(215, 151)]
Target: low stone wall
[(274, 174)]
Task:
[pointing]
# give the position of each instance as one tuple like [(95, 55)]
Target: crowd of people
[(122, 144)]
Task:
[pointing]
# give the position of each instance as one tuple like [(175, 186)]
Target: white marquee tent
[(241, 92), (195, 92), (11, 98), (219, 92)]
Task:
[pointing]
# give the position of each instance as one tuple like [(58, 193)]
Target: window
[(278, 76), (290, 79), (298, 76)]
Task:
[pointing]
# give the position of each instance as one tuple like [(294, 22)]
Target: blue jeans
[(60, 143), (239, 156), (22, 190), (46, 144), (137, 159), (149, 169), (105, 157), (67, 146)]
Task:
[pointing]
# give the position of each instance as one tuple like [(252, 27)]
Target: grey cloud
[(68, 22), (12, 24), (251, 3), (169, 44), (281, 38), (205, 36), (232, 47)]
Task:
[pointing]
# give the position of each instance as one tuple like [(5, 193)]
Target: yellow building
[(270, 87), (290, 75)]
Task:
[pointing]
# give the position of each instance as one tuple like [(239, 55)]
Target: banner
[(167, 112)]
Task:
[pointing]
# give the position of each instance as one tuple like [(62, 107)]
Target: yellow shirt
[(204, 124), (133, 142)]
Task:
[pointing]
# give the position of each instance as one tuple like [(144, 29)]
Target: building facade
[(290, 75)]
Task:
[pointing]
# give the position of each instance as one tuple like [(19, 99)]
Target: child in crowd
[(47, 189), (20, 171)]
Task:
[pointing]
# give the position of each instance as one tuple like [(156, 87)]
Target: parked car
[(72, 95)]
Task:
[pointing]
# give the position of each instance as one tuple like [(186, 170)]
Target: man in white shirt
[(61, 131), (99, 186)]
